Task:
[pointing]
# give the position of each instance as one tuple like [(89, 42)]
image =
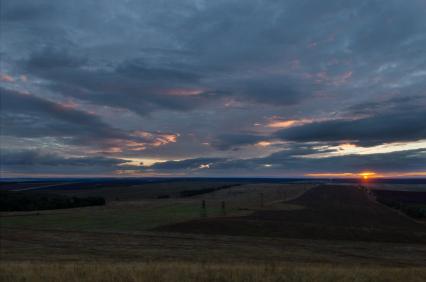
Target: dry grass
[(171, 271)]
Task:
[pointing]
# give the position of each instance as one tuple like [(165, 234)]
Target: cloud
[(26, 115), (35, 158), (228, 141), (208, 79), (141, 70), (405, 126), (29, 116), (50, 58), (290, 162), (395, 104), (132, 84), (31, 161), (12, 12), (184, 164), (6, 78), (275, 90)]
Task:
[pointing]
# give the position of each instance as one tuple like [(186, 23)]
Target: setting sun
[(367, 175)]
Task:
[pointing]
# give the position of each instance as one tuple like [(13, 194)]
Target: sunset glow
[(349, 148), (287, 123), (263, 143), (364, 175), (368, 174)]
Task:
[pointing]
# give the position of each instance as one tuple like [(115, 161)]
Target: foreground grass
[(174, 271)]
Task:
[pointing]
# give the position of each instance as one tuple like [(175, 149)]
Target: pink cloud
[(6, 78), (184, 91)]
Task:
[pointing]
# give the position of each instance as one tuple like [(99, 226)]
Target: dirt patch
[(331, 212)]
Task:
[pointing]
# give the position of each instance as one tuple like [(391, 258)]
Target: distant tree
[(30, 201)]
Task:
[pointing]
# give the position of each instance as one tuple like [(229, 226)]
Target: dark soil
[(330, 212)]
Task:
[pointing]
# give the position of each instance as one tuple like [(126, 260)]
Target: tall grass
[(174, 272)]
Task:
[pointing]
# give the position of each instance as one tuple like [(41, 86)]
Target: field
[(247, 232), (152, 272), (325, 212)]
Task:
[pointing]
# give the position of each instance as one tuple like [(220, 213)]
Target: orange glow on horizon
[(368, 174), (417, 173), (330, 174), (364, 175)]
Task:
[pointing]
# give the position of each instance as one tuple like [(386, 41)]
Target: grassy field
[(149, 212), (174, 272), (131, 239)]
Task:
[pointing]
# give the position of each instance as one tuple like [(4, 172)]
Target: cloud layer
[(194, 86)]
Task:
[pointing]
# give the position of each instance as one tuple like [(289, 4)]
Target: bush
[(29, 201), (410, 210), (190, 193)]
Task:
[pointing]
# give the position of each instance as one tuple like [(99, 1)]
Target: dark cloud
[(30, 161), (123, 78), (273, 90), (132, 84), (410, 160), (24, 13), (383, 128), (396, 104), (228, 141), (29, 116), (36, 158), (184, 164), (50, 58), (140, 70), (287, 163)]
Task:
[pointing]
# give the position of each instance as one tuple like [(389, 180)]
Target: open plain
[(287, 231)]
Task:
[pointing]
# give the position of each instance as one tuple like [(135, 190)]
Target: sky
[(287, 88)]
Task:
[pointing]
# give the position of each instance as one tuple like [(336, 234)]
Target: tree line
[(30, 201), (412, 210)]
